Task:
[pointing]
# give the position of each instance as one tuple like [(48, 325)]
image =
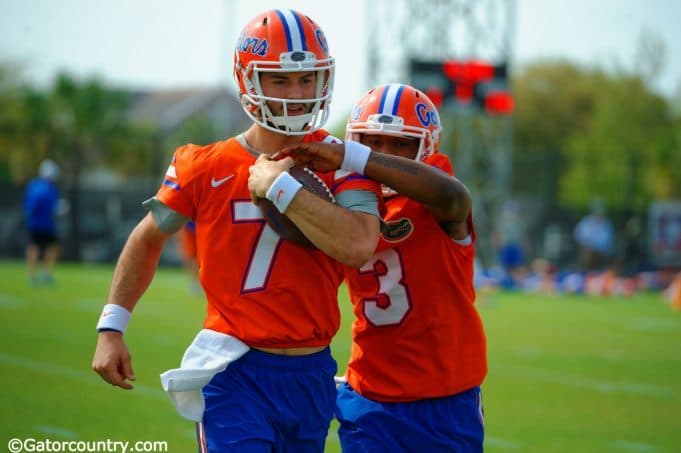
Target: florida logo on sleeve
[(397, 230)]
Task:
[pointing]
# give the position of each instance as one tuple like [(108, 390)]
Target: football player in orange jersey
[(186, 242), (419, 351), (259, 376)]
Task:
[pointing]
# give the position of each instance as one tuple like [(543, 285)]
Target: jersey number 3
[(392, 303)]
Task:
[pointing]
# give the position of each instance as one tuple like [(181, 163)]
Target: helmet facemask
[(392, 125)]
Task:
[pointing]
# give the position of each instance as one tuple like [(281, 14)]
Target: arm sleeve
[(168, 221), (359, 200)]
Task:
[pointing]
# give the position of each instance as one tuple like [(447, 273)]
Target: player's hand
[(263, 173), (112, 360), (317, 156)]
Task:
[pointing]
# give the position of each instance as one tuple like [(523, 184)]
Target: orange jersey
[(417, 333), (261, 289)]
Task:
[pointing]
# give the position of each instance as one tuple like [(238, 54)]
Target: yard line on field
[(59, 370), (503, 444), (7, 301), (56, 431), (96, 305), (655, 325), (89, 305), (633, 446), (603, 386)]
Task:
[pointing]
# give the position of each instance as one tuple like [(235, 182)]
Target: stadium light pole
[(470, 35)]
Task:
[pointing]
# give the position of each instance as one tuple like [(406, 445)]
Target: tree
[(554, 98), (614, 155), (80, 124), (14, 151), (89, 127), (583, 132)]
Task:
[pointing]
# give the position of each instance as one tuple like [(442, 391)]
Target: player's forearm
[(347, 236), (423, 183), (136, 265)]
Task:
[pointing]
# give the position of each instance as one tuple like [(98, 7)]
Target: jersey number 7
[(264, 251)]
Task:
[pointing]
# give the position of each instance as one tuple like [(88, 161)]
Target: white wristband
[(113, 317), (282, 191), (356, 157)]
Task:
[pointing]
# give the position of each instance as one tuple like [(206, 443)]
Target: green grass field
[(567, 374)]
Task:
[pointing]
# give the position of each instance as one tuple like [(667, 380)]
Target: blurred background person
[(509, 242), (631, 254), (41, 202), (673, 293), (187, 247), (595, 238)]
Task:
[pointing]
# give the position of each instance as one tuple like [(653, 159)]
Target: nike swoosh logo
[(218, 182)]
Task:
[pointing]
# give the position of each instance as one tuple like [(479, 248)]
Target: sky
[(189, 43)]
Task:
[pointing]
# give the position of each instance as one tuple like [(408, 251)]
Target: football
[(279, 222)]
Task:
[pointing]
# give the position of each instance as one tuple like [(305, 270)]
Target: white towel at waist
[(209, 354)]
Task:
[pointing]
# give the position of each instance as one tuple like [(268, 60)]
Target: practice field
[(567, 374)]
